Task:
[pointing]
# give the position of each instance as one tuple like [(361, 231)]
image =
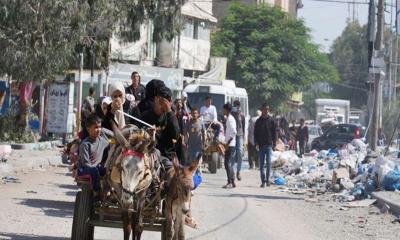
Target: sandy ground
[(41, 207)]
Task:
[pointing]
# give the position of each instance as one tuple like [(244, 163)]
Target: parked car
[(337, 136), (314, 131)]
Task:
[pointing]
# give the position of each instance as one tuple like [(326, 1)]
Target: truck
[(334, 111)]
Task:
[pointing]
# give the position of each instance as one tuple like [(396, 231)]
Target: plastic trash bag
[(280, 181), (197, 179), (391, 181), (359, 145)]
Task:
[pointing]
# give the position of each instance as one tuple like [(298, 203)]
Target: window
[(195, 29), (203, 31), (188, 30), (200, 30)]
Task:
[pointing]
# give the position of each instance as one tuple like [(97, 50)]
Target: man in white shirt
[(230, 143), (210, 117)]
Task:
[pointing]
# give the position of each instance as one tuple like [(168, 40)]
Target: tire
[(220, 161), (164, 224), (74, 234), (81, 229), (213, 163)]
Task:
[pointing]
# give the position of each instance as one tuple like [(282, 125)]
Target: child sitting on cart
[(91, 152)]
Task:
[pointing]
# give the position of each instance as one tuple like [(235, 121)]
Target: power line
[(339, 1), (332, 1)]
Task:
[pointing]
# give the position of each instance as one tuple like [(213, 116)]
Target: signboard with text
[(59, 108)]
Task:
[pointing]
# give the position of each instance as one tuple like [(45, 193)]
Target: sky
[(328, 19)]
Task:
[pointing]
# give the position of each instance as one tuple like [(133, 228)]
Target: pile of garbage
[(352, 172)]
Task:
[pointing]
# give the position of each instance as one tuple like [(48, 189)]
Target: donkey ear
[(119, 136), (175, 162), (195, 164)]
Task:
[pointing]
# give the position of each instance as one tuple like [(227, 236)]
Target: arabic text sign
[(57, 107)]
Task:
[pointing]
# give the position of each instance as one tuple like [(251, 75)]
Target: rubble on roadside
[(348, 174)]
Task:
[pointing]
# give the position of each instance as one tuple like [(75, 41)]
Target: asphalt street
[(40, 206)]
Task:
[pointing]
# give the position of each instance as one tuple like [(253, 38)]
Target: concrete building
[(189, 51), (290, 6), (141, 52)]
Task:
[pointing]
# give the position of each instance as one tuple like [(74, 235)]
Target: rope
[(136, 119)]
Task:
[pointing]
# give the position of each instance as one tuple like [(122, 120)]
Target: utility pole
[(79, 102), (378, 73)]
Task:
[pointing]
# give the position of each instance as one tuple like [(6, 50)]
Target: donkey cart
[(87, 216), (213, 150)]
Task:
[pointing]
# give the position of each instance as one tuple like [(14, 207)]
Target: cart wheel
[(213, 163), (220, 161), (164, 231), (81, 229), (164, 224), (74, 234)]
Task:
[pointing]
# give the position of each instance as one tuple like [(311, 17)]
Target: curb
[(28, 163), (35, 146), (382, 200)]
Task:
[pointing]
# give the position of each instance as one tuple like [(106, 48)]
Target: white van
[(227, 92)]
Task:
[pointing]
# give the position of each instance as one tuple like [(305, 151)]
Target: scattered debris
[(385, 209), (312, 200), (362, 203), (350, 173), (10, 179), (397, 220)]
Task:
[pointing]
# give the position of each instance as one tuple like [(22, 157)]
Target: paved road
[(41, 207)]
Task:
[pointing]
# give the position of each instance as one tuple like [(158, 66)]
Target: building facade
[(189, 51), (220, 8)]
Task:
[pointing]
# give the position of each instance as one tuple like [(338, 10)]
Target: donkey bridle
[(130, 152)]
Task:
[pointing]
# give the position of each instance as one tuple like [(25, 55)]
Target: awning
[(193, 10)]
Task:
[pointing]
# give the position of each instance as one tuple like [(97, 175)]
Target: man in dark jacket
[(162, 116), (134, 94), (265, 139), (302, 136), (136, 88), (152, 88)]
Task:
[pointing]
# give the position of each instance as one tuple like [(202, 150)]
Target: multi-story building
[(189, 51), (290, 6)]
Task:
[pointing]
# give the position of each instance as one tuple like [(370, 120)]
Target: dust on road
[(41, 207)]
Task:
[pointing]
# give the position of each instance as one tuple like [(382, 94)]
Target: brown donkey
[(179, 186)]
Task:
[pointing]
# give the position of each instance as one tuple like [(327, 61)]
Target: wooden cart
[(87, 216)]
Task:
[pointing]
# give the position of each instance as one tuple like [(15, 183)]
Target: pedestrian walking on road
[(265, 139), (88, 103), (181, 114), (302, 137), (293, 136), (252, 151), (193, 136), (240, 126), (230, 143)]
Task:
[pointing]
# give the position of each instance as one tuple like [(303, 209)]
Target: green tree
[(349, 53), (124, 18), (39, 39), (270, 53)]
